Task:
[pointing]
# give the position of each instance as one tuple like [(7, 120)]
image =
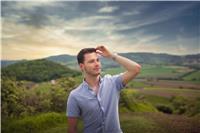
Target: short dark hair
[(80, 56)]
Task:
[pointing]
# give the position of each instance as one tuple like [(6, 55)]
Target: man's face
[(91, 64)]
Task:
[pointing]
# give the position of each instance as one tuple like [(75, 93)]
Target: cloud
[(32, 4), (108, 9), (130, 13), (153, 17), (35, 30), (35, 13), (31, 42)]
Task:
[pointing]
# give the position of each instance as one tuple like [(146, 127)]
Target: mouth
[(97, 69)]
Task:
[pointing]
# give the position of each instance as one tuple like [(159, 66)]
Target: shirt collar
[(85, 84)]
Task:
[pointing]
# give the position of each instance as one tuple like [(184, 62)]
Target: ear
[(81, 65)]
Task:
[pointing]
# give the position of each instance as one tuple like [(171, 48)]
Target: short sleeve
[(118, 81), (73, 109)]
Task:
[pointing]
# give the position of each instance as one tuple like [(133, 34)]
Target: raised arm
[(132, 67), (72, 124)]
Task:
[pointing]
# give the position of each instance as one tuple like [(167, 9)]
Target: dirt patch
[(173, 84)]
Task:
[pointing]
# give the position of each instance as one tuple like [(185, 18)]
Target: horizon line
[(117, 52)]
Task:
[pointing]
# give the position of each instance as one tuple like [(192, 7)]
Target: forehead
[(90, 56)]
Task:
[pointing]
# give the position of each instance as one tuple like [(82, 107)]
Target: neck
[(93, 81)]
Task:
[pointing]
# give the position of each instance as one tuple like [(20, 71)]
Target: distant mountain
[(67, 60), (62, 58), (37, 70), (164, 59), (5, 63), (143, 58)]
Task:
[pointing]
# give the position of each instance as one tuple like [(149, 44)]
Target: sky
[(38, 29)]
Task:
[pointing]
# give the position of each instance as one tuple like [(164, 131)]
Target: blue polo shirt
[(99, 112)]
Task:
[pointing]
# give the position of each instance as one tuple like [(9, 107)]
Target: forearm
[(72, 130), (132, 67), (128, 64), (72, 124)]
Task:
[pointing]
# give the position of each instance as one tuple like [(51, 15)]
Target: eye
[(91, 61)]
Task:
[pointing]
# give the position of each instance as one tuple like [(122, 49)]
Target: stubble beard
[(92, 73)]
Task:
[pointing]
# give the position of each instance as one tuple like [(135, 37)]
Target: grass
[(136, 84), (155, 100), (60, 128), (132, 100), (194, 76), (138, 123), (146, 123), (158, 71), (33, 124), (63, 128)]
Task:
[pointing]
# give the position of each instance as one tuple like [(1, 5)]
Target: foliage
[(193, 108), (37, 70), (139, 124), (18, 100), (58, 99), (10, 97), (148, 122), (33, 124), (134, 102), (179, 104)]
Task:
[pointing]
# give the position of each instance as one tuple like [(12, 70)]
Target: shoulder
[(112, 77), (115, 80), (107, 76), (75, 91)]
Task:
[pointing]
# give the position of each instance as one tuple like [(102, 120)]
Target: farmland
[(163, 99), (166, 72)]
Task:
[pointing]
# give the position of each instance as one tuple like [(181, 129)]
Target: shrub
[(135, 102), (164, 108), (32, 124), (194, 107), (179, 104)]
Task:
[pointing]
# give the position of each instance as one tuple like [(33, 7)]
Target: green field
[(113, 71), (194, 76), (161, 72)]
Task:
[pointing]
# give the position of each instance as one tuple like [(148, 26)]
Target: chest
[(90, 106)]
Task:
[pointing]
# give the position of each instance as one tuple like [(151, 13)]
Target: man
[(96, 99)]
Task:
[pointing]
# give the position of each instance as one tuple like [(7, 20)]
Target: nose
[(97, 63)]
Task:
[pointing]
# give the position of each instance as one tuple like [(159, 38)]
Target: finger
[(100, 47), (99, 52)]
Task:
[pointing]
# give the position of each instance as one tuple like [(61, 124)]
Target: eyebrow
[(93, 59)]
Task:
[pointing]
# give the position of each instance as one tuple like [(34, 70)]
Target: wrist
[(114, 56)]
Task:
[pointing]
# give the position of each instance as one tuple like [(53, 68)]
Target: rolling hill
[(143, 58), (37, 70)]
